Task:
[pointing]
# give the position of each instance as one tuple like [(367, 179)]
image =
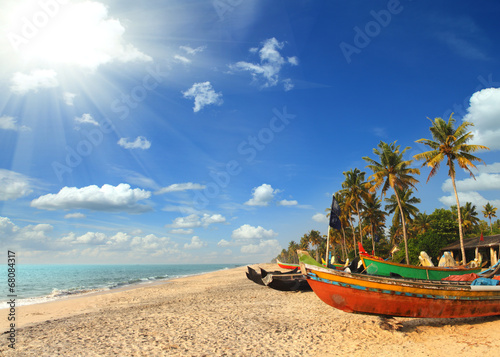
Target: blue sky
[(217, 131)]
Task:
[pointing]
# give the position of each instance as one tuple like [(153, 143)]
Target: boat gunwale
[(407, 282), (408, 266)]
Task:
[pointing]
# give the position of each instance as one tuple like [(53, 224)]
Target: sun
[(57, 32)]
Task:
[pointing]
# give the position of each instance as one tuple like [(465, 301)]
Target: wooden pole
[(327, 247)]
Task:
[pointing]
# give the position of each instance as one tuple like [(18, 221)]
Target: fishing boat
[(375, 266), (254, 276), (257, 277), (285, 282), (286, 265), (384, 296)]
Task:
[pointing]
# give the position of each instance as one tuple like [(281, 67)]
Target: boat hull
[(383, 268), (356, 293), (287, 265)]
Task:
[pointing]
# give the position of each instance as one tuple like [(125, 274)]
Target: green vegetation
[(411, 231), (450, 144)]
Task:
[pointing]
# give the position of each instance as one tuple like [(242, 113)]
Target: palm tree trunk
[(491, 228), (404, 227), (373, 240), (464, 259), (344, 246)]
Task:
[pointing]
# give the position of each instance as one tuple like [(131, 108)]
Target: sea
[(42, 283)]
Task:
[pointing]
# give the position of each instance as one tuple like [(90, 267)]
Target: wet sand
[(225, 314)]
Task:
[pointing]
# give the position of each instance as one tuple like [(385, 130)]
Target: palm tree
[(469, 216), (315, 239), (394, 172), (450, 144), (374, 216), (407, 205), (304, 242), (489, 212), (292, 252), (354, 188), (421, 223)]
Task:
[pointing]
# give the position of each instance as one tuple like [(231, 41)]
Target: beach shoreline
[(222, 313)]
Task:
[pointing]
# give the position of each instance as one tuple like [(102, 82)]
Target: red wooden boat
[(368, 294), (287, 265)]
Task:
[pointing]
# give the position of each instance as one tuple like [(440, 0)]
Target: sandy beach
[(225, 314)]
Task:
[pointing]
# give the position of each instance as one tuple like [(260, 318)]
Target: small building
[(488, 247)]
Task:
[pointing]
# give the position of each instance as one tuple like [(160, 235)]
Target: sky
[(173, 131)]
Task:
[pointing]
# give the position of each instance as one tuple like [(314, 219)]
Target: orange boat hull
[(384, 296)]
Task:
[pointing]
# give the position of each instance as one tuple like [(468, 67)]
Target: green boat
[(385, 268)]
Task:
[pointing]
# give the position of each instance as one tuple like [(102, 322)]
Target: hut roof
[(475, 242)]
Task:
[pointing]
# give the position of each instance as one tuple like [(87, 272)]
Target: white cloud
[(139, 143), (41, 78), (186, 222), (13, 185), (9, 123), (262, 195), (69, 98), (247, 231), (177, 187), (182, 59), (223, 243), (82, 34), (287, 84), (86, 119), (107, 198), (320, 218), (489, 168), (150, 242), (92, 238), (287, 203), (194, 220), (211, 219), (181, 231), (484, 181), (271, 62), (488, 179), (473, 197), (120, 239), (75, 215), (293, 61), (30, 233), (271, 247), (7, 227), (484, 113), (192, 51), (196, 243), (203, 94)]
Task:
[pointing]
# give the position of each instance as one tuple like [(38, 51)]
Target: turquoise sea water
[(41, 283)]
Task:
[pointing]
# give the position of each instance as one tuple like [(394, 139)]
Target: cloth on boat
[(464, 277), (496, 277), (485, 281), (425, 260), (447, 260)]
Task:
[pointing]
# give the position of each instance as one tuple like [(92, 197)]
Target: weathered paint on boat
[(385, 268), (359, 293)]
